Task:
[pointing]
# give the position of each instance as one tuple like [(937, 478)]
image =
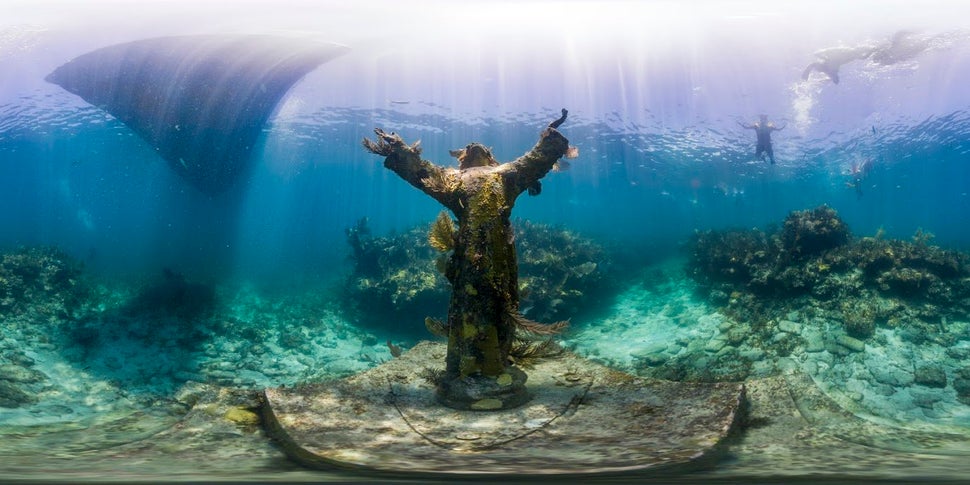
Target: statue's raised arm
[(523, 172), (405, 160)]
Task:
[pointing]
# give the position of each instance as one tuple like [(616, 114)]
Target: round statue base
[(480, 393), (583, 418)]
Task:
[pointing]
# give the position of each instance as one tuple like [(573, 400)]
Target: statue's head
[(474, 155)]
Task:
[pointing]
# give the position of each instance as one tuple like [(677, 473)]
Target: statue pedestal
[(480, 393), (583, 419)]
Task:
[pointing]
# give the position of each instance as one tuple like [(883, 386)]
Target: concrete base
[(584, 418), (480, 393)]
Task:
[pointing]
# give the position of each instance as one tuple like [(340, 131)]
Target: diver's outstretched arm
[(525, 171), (782, 127), (746, 127), (405, 160)]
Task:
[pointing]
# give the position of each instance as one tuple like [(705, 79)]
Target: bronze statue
[(483, 315)]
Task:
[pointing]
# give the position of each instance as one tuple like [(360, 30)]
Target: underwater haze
[(655, 91), (872, 98)]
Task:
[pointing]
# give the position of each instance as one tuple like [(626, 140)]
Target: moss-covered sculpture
[(483, 272)]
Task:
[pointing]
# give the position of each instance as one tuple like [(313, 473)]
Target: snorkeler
[(763, 128), (902, 46), (858, 172), (828, 61)]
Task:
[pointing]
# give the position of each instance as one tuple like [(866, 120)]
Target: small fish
[(395, 350), (572, 152)]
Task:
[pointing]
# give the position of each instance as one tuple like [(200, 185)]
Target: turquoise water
[(190, 297)]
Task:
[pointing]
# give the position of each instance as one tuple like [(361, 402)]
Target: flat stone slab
[(584, 418)]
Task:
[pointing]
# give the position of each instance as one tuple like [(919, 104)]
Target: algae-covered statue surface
[(483, 272)]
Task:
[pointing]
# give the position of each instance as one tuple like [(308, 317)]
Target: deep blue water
[(655, 122), (87, 184)]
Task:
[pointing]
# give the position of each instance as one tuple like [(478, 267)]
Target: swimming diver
[(828, 61), (902, 46), (858, 172), (763, 128)]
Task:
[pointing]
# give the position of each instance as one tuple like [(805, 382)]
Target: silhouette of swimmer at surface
[(763, 129), (902, 46), (828, 61), (858, 172)]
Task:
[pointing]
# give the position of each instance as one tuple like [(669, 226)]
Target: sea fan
[(442, 234), (527, 354), (531, 328), (432, 375)]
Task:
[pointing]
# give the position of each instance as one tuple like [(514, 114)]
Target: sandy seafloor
[(139, 404)]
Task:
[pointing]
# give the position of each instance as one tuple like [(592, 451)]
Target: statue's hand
[(561, 120), (385, 144), (389, 143)]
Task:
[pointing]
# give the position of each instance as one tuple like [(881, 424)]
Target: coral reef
[(876, 353), (394, 281), (561, 273), (813, 264), (400, 278), (812, 232), (39, 274), (76, 343), (40, 288)]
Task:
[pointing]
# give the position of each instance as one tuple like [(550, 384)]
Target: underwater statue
[(483, 315)]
